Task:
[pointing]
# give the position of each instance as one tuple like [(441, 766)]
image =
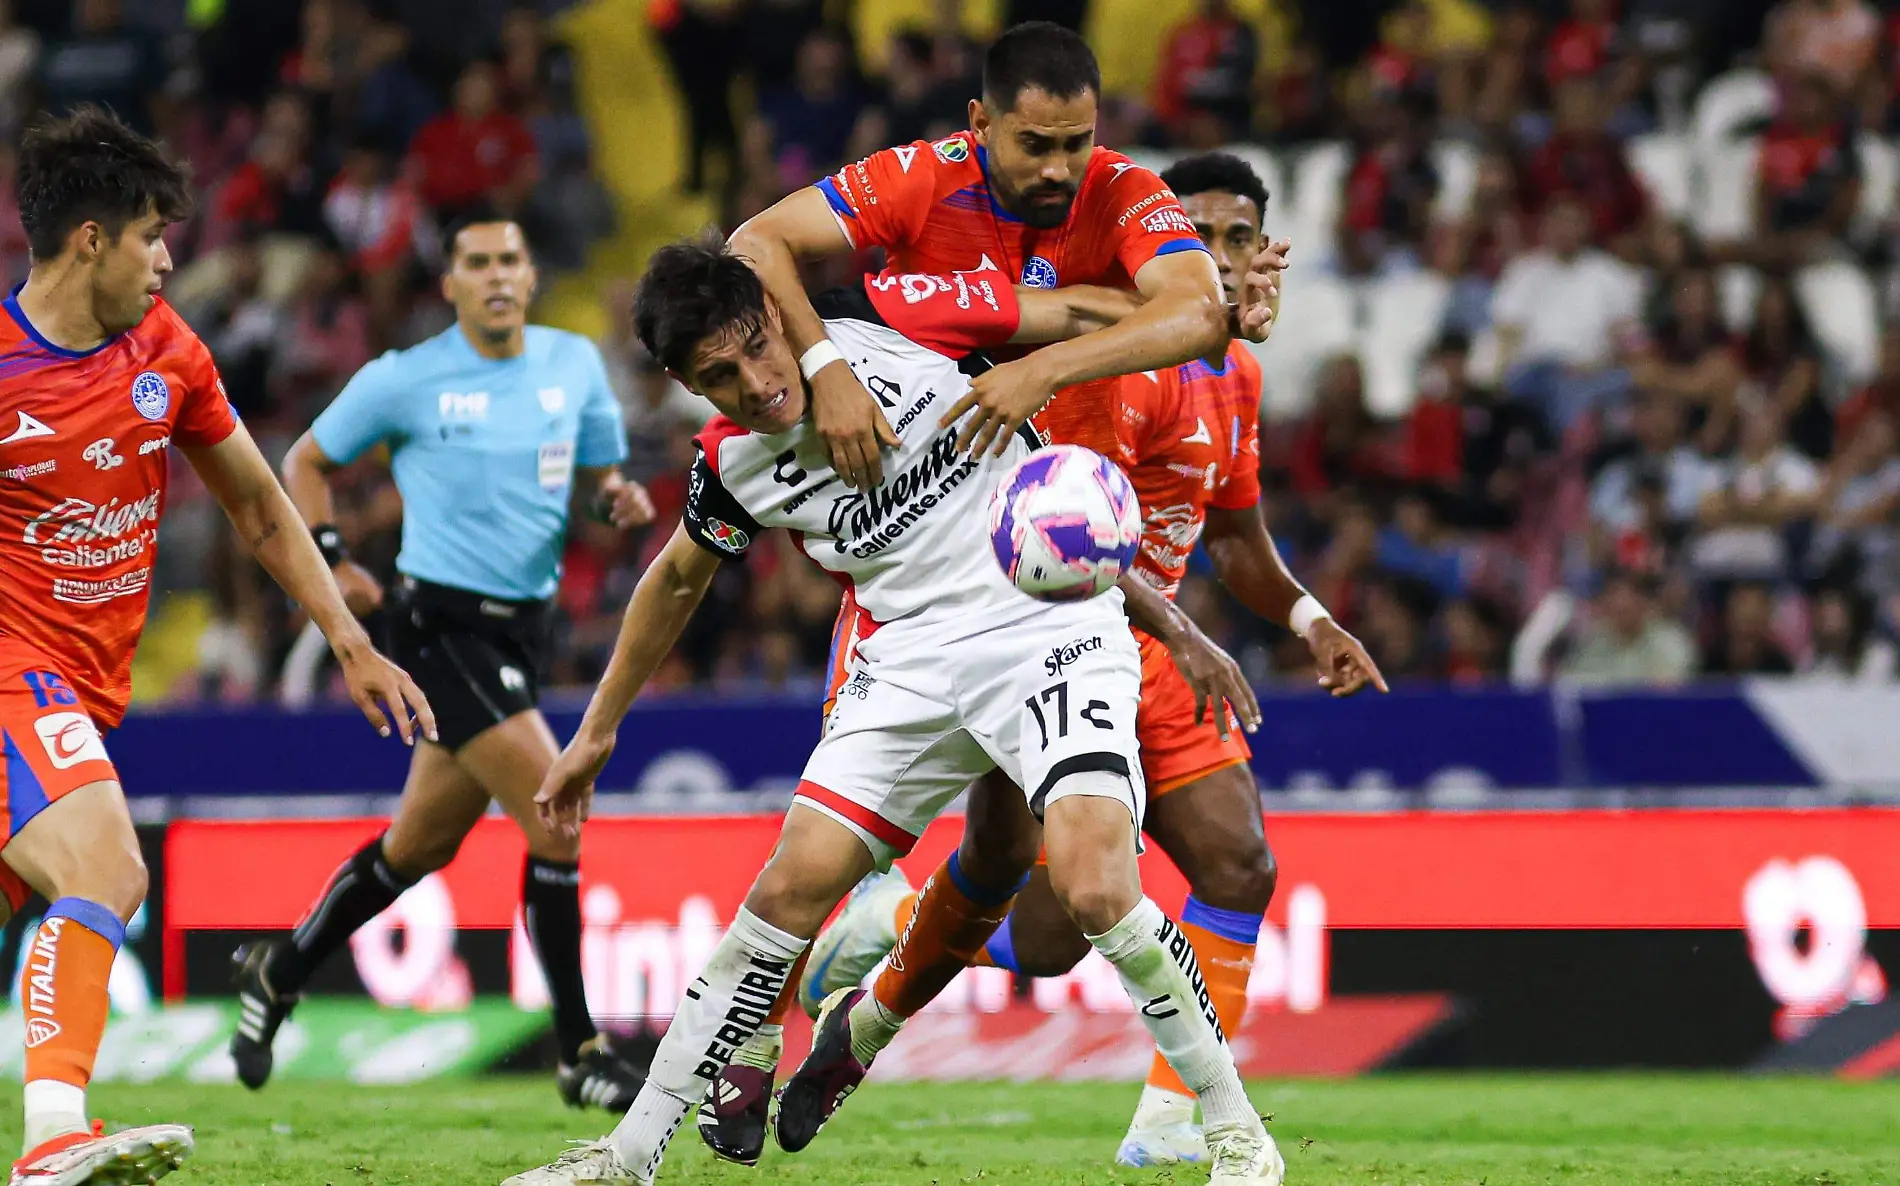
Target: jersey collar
[(12, 306), (989, 190)]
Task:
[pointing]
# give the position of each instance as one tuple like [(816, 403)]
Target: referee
[(486, 424)]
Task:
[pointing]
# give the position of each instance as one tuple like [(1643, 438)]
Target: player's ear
[(980, 122)]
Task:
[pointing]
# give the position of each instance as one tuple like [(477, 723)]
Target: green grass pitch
[(1400, 1130)]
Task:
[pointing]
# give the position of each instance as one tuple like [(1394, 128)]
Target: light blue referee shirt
[(483, 452)]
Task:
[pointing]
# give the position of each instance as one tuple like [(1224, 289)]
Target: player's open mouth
[(776, 404), (499, 304)]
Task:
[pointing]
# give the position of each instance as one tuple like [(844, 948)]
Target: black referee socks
[(551, 913)]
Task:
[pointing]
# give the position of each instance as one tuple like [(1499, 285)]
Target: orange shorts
[(49, 745), (1174, 750)]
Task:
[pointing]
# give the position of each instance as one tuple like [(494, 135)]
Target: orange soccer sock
[(1224, 943), (950, 921), (63, 995), (782, 1008)]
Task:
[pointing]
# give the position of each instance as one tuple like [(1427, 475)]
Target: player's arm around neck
[(663, 602), (1183, 316), (241, 480), (847, 419), (1058, 314)]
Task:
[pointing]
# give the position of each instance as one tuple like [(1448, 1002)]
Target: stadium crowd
[(1580, 373)]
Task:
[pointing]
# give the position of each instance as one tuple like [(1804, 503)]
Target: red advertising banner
[(1597, 869)]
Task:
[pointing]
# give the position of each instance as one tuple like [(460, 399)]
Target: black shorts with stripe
[(478, 659)]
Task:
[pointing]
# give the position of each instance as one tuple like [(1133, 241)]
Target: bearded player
[(99, 382), (1187, 437)]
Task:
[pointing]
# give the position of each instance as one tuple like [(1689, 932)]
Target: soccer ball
[(1064, 523)]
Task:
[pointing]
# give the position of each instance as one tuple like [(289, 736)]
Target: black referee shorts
[(478, 659)]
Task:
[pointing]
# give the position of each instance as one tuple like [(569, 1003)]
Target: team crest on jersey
[(952, 151), (1039, 272), (731, 538), (151, 395)]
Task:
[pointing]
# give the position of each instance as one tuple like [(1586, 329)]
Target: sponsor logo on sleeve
[(905, 154), (727, 537), (1160, 195), (952, 151), (1167, 221), (155, 445), (151, 395), (70, 738)]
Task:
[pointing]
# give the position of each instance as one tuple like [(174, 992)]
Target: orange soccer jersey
[(1189, 437), (85, 441), (928, 205)]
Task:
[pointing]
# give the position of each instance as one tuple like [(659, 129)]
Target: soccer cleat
[(588, 1161), (261, 1010), (1166, 1144), (735, 1112), (601, 1079), (131, 1158), (846, 951), (829, 1074), (1244, 1156)]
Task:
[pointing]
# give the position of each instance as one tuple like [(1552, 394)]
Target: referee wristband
[(820, 356), (1306, 611), (330, 543)]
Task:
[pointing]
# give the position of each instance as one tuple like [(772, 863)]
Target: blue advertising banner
[(1757, 734)]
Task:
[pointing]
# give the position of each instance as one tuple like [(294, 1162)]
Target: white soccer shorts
[(1050, 695)]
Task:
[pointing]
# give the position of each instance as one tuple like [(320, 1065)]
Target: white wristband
[(1306, 611), (821, 355)]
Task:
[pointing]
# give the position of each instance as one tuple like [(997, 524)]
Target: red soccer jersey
[(1189, 437), (84, 444), (928, 205)]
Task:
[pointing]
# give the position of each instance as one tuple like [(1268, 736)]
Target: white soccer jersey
[(916, 549)]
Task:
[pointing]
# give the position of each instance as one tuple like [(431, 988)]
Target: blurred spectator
[(1477, 634), (1845, 645), (377, 220), (654, 405), (1297, 102), (1881, 396), (805, 131), (701, 44), (1857, 504), (1753, 499), (1687, 354), (1393, 626), (19, 56), (1582, 158), (1473, 447), (1390, 187), (15, 253), (326, 337), (1783, 361), (1628, 641), (392, 103), (277, 188), (1744, 645), (105, 62), (241, 327), (475, 153), (1582, 44), (770, 36), (1417, 545), (919, 103), (1340, 443), (1563, 313), (1474, 250), (1834, 39), (1203, 88), (1810, 178), (1660, 457)]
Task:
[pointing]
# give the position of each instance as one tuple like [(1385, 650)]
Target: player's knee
[(548, 846), (416, 857), (1240, 880), (1096, 898), (118, 883)]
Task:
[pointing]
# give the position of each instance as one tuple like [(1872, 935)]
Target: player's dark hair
[(477, 215), (1042, 56), (692, 290), (87, 166), (1216, 172)]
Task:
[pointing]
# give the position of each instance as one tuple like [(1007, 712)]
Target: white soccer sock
[(763, 1049), (52, 1109), (1161, 1108), (723, 1009), (872, 1028), (1161, 976)]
